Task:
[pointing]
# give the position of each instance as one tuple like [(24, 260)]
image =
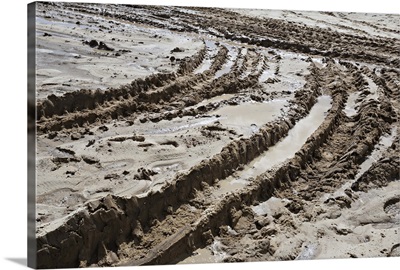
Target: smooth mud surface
[(173, 135)]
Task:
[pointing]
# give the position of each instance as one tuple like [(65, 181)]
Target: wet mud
[(193, 138)]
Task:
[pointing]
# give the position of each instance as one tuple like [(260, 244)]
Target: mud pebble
[(111, 176), (103, 128), (176, 49), (75, 136), (103, 46), (93, 43), (90, 160), (90, 142)]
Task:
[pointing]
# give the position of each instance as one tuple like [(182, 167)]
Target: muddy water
[(373, 88), (211, 52), (267, 73), (350, 108), (241, 59), (84, 67), (292, 71), (281, 151), (309, 252), (380, 148), (352, 104), (189, 11), (215, 99), (246, 118), (232, 54), (180, 125), (44, 21), (275, 155)]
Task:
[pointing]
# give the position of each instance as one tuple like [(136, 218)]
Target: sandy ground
[(180, 135)]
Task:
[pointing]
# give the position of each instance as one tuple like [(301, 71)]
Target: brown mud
[(128, 175)]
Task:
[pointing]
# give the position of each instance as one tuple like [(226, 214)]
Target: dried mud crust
[(167, 224)]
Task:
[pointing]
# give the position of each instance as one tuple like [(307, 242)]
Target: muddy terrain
[(191, 135)]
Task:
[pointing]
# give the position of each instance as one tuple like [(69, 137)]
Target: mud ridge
[(299, 176), (223, 212), (188, 65), (186, 239), (133, 216), (90, 99), (382, 172), (123, 106), (209, 183), (227, 83)]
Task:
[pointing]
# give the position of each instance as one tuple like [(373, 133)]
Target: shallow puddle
[(215, 99), (281, 151), (232, 54), (188, 11), (352, 105), (267, 73), (309, 252), (247, 117), (175, 127), (373, 88), (350, 108), (211, 52), (384, 143), (63, 24)]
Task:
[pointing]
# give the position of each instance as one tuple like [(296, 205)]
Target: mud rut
[(167, 225)]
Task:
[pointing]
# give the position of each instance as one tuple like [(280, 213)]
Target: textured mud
[(164, 135)]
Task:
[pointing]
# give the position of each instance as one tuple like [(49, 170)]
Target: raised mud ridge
[(224, 211), (105, 224), (85, 107), (229, 209), (90, 99), (382, 172), (167, 224), (95, 233), (82, 108)]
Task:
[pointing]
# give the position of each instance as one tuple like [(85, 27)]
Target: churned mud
[(180, 135)]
